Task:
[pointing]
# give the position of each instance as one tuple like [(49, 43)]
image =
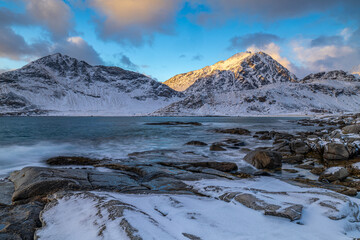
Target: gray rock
[(20, 221), (333, 174), (31, 182), (286, 210), (299, 147), (38, 182), (217, 147), (6, 192), (264, 159), (335, 151)]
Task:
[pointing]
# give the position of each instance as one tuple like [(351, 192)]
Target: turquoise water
[(28, 141)]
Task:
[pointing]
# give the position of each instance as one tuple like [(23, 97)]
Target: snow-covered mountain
[(255, 84), (245, 84), (241, 71), (61, 85)]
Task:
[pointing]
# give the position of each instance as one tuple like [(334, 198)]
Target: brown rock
[(264, 159)]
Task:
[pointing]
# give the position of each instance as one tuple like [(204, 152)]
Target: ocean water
[(29, 141)]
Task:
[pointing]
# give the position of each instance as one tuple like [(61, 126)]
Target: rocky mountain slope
[(241, 71), (325, 92), (61, 85)]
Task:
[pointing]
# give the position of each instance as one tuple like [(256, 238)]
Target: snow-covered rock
[(61, 85)]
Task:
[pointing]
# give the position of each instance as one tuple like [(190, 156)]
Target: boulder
[(217, 147), (264, 159), (334, 174), (351, 129), (196, 143), (238, 131), (335, 151), (299, 147), (62, 160)]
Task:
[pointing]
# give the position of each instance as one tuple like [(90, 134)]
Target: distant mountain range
[(245, 84)]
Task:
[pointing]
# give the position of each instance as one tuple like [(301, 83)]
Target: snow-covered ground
[(101, 215)]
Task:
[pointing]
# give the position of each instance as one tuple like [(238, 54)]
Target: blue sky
[(162, 38)]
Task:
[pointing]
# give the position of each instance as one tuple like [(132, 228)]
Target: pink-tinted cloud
[(134, 21)]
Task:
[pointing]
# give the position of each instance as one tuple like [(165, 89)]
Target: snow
[(165, 216)]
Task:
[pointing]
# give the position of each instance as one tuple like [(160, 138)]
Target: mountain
[(239, 72), (325, 92), (61, 85)]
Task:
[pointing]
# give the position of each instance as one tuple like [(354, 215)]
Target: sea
[(29, 141)]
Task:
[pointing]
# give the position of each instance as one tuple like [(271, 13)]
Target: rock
[(220, 166), (334, 174), (38, 182), (32, 182), (264, 159), (238, 131), (351, 129), (20, 221), (286, 158), (191, 236), (166, 185), (286, 210), (61, 160), (293, 212), (299, 147), (175, 123), (217, 147), (335, 151), (317, 170), (6, 192), (196, 143)]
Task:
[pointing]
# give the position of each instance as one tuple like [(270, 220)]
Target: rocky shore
[(314, 173)]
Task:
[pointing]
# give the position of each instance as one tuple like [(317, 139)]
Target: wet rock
[(220, 166), (62, 160), (299, 147), (166, 185), (335, 151), (37, 182), (175, 123), (20, 221), (334, 174), (264, 159), (217, 147), (238, 131), (6, 191), (351, 129), (34, 182), (293, 159), (196, 143)]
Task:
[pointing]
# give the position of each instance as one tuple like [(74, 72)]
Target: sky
[(162, 38)]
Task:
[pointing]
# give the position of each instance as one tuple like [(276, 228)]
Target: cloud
[(259, 40), (78, 48), (14, 46), (126, 62), (182, 56), (270, 11), (324, 58), (134, 21), (274, 51), (197, 57), (54, 15), (327, 40)]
